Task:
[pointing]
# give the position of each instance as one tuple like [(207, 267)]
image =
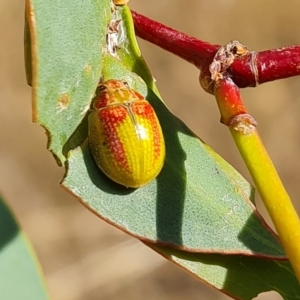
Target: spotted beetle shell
[(125, 136)]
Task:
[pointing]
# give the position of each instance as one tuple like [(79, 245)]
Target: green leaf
[(174, 209), (241, 277), (66, 42), (20, 276)]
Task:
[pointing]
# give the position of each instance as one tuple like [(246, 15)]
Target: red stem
[(271, 64)]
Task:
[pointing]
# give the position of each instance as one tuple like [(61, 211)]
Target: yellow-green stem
[(272, 192), (261, 168)]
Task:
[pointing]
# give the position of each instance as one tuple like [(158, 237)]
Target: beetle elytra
[(125, 136)]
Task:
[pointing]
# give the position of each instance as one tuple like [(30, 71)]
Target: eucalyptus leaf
[(66, 42), (20, 275), (238, 276)]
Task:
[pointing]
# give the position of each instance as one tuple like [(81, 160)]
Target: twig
[(271, 64)]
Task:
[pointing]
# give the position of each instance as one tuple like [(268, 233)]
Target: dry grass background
[(82, 256)]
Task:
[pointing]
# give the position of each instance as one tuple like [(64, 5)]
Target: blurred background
[(82, 256)]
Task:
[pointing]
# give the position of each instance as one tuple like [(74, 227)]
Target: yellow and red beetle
[(125, 136), (120, 2)]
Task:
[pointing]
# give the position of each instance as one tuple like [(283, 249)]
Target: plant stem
[(186, 47), (261, 168), (271, 64)]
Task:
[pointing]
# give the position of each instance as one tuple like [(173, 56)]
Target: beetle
[(125, 136), (120, 2)]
